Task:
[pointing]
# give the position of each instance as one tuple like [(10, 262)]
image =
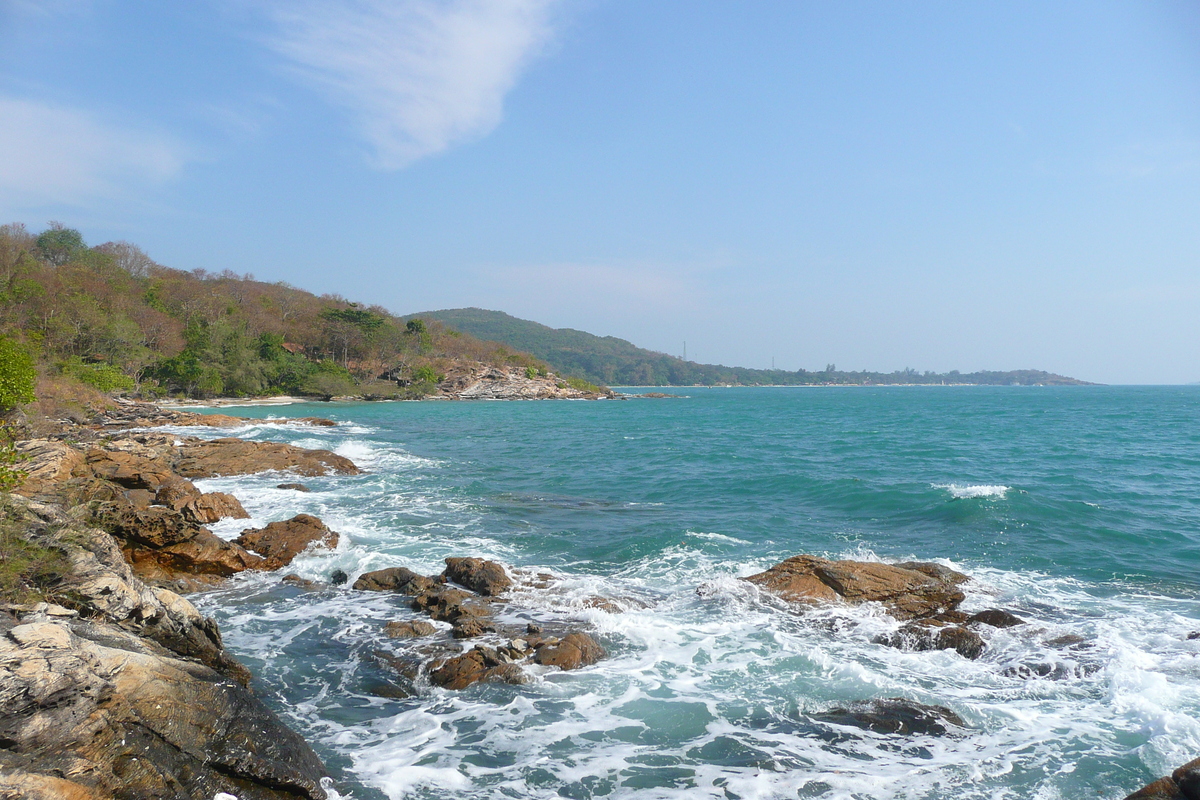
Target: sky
[(927, 185)]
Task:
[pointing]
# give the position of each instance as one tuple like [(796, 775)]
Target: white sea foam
[(970, 491)]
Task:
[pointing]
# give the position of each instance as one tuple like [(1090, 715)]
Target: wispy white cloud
[(53, 155), (418, 75)]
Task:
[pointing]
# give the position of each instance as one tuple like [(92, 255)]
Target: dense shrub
[(17, 375)]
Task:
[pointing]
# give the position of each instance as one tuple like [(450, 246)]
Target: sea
[(1075, 508)]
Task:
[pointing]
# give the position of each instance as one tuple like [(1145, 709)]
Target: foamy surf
[(971, 491)]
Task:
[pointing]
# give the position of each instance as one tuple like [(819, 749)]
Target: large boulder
[(164, 547), (280, 542), (213, 506), (480, 665), (90, 710), (573, 651), (485, 577), (396, 579), (133, 471), (209, 459), (449, 604), (914, 591)]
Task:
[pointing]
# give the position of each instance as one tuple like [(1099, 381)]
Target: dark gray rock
[(894, 715)]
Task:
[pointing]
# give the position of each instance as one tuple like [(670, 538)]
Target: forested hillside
[(111, 317), (616, 362)]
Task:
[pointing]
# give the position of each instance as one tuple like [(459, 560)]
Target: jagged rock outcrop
[(125, 414), (471, 614), (924, 595), (209, 459), (280, 542), (487, 578), (470, 380), (409, 629), (913, 590), (573, 651), (92, 711), (396, 579), (122, 689)]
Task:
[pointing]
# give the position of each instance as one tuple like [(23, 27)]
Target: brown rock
[(213, 506), (483, 664), (209, 459), (573, 651), (396, 579), (154, 526), (904, 593), (280, 542), (296, 487), (47, 464), (108, 714), (1187, 778), (470, 627), (409, 629), (202, 560), (448, 604), (303, 583), (485, 577), (1161, 789), (138, 472), (935, 570)]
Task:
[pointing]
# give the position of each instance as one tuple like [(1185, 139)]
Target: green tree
[(17, 376), (59, 244)]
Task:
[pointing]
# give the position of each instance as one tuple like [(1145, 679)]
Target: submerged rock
[(913, 591), (296, 487), (894, 715), (916, 636), (280, 542)]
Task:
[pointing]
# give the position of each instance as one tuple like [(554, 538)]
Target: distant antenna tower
[(685, 349)]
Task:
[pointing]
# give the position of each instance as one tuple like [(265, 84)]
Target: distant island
[(610, 361)]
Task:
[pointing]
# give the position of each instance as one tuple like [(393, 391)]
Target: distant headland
[(611, 361)]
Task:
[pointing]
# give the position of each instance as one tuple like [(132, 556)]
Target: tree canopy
[(112, 317)]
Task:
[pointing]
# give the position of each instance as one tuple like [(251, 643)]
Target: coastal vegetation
[(112, 319), (616, 362)]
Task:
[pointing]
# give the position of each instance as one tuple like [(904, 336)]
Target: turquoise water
[(1078, 508)]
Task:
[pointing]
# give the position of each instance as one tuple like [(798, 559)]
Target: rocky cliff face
[(479, 381), (119, 689)]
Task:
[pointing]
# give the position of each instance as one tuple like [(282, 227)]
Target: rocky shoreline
[(113, 685)]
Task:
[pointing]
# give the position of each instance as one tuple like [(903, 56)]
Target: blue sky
[(878, 185)]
